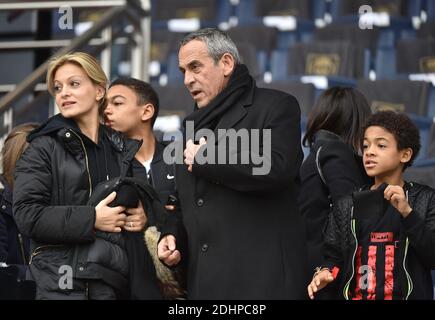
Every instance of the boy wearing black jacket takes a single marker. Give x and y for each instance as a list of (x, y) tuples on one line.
[(379, 241)]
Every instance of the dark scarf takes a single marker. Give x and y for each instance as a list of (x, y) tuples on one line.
[(208, 117)]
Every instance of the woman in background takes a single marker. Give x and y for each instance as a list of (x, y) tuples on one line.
[(14, 247), (333, 167)]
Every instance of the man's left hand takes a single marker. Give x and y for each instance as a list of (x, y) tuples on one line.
[(396, 196), (136, 219)]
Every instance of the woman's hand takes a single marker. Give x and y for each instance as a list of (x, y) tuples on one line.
[(107, 218), (136, 219)]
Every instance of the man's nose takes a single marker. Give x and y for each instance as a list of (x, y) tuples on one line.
[(188, 79)]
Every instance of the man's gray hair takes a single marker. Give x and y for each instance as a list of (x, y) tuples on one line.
[(218, 43)]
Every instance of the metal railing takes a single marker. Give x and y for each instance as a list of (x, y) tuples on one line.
[(137, 13)]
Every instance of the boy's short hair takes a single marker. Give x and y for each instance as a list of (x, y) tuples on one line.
[(401, 127), (144, 93)]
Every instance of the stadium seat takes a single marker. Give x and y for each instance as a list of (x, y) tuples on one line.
[(427, 30), (163, 42), (385, 64), (398, 95), (429, 7), (395, 8), (252, 11), (255, 61), (423, 175), (328, 58), (304, 92), (174, 100), (416, 56), (261, 37), (424, 126), (207, 12)]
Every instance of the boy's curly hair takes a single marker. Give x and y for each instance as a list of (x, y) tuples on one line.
[(401, 127)]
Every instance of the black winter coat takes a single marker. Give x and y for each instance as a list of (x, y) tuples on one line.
[(343, 173), (162, 179), (245, 235), (418, 227), (14, 247), (52, 187)]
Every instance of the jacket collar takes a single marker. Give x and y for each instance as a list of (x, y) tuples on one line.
[(238, 112), (158, 152), (327, 135), (408, 186)]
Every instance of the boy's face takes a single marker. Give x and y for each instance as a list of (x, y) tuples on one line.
[(122, 112), (380, 153)]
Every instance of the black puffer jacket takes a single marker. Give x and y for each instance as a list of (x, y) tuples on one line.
[(52, 186), (418, 227)]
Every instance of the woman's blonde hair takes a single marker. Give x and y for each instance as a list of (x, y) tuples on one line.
[(85, 61), (13, 147)]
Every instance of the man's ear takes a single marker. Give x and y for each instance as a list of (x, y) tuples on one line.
[(148, 112), (228, 63), (406, 155)]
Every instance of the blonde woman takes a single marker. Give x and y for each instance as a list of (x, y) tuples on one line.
[(67, 157)]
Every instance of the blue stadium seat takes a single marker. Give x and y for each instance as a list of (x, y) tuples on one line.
[(209, 12), (340, 9), (303, 92), (252, 11), (431, 103), (278, 64), (174, 100), (429, 7), (424, 125), (400, 95), (385, 64), (328, 58), (175, 77)]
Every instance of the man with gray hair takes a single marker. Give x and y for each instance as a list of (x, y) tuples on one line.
[(245, 235)]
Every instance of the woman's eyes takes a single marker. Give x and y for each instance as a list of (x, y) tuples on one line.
[(58, 87)]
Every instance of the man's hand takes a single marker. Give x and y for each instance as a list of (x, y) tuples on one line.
[(107, 218), (167, 250), (396, 196), (319, 281), (136, 219), (170, 208), (191, 150)]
